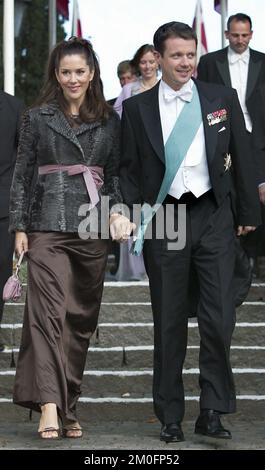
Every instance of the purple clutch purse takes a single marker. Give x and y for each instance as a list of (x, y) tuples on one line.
[(13, 286)]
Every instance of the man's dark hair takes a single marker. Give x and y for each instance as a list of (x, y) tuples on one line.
[(174, 29), (239, 17)]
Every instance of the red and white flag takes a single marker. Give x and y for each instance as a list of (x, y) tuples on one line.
[(62, 8), (198, 27), (76, 22)]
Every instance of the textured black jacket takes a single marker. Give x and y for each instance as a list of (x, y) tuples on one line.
[(52, 202)]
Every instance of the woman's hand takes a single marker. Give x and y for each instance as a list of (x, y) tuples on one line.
[(244, 230), (120, 227), (21, 243)]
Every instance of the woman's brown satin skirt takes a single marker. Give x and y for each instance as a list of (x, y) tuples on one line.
[(65, 283)]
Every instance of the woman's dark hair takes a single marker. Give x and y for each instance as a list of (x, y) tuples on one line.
[(94, 106), (139, 54), (174, 29)]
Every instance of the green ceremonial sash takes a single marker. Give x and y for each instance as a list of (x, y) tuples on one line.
[(176, 148)]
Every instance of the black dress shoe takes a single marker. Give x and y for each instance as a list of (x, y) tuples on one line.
[(171, 433), (209, 424), (2, 347)]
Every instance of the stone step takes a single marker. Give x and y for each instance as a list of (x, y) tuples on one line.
[(102, 394), (141, 357), (122, 334), (123, 312), (251, 311), (139, 290), (138, 312), (261, 272), (122, 291), (138, 384), (111, 409), (256, 291)]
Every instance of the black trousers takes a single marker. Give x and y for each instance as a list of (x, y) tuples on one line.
[(210, 246), (6, 257)]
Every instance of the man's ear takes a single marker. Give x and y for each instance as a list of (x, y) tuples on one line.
[(158, 57)]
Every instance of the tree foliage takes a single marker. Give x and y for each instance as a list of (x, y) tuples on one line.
[(32, 50)]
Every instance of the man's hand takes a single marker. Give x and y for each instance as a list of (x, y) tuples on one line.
[(243, 230), (120, 227), (21, 243), (262, 193)]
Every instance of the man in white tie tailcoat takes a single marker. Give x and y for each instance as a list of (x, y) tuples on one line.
[(240, 67), (215, 161)]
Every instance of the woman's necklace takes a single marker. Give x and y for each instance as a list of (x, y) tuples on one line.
[(147, 86)]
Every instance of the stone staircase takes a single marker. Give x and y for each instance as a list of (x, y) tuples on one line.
[(118, 376)]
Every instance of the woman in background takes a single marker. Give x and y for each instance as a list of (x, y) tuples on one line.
[(131, 268)]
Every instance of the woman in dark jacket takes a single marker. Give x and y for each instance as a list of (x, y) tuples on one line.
[(66, 169)]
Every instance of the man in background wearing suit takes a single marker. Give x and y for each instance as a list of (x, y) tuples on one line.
[(242, 68), (259, 140), (10, 113), (126, 74), (180, 142)]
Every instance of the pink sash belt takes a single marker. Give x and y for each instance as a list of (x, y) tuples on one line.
[(93, 177)]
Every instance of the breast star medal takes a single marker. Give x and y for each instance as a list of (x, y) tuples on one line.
[(227, 161)]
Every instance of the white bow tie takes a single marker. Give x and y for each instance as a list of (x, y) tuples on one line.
[(185, 95), (238, 57)]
